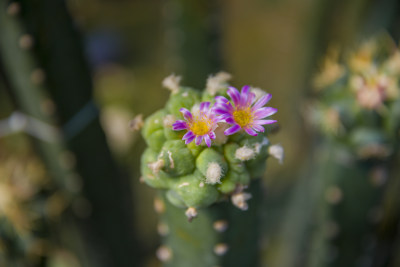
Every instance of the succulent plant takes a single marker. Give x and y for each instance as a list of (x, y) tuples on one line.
[(202, 151), (356, 108)]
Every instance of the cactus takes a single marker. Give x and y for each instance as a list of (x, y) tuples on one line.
[(49, 78), (356, 108), (199, 174)]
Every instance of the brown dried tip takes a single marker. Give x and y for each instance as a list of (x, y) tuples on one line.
[(137, 123)]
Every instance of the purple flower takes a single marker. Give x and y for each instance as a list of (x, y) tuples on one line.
[(243, 114), (200, 126)]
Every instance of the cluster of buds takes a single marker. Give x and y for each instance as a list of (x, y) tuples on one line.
[(360, 104), (203, 147)]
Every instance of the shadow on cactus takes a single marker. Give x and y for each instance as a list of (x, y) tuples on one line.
[(204, 149)]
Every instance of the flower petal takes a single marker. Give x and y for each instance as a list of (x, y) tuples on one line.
[(262, 122), (234, 94), (258, 128), (186, 114), (207, 140), (250, 131), (262, 101), (189, 140), (204, 106), (212, 135), (179, 125), (264, 112), (250, 99), (232, 129), (221, 99), (244, 95), (199, 139), (188, 135)]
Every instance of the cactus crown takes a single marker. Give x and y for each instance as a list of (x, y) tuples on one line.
[(357, 100), (227, 150)]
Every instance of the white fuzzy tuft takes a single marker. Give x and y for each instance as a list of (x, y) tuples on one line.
[(258, 92), (220, 226), (220, 249), (169, 120), (214, 173), (240, 200), (164, 253), (137, 123), (216, 83), (277, 152), (172, 83), (244, 153), (191, 213), (155, 167)]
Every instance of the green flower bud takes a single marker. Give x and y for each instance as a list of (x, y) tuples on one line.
[(153, 130), (151, 170), (208, 160)]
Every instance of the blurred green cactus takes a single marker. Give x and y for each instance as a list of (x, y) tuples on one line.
[(356, 108), (200, 179)]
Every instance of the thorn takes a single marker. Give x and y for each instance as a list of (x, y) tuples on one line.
[(172, 82), (277, 152), (38, 76), (220, 249), (240, 200), (164, 253), (333, 195), (191, 213), (137, 123), (183, 184), (159, 205), (220, 226), (155, 167), (13, 9), (162, 229), (26, 41)]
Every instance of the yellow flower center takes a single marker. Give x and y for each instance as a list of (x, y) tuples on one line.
[(243, 117), (200, 127)]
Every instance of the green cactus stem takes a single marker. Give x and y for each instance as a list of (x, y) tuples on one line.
[(199, 225)]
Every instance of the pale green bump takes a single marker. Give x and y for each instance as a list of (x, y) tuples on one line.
[(226, 186), (194, 192), (175, 199), (173, 135), (208, 156), (177, 157), (259, 144), (184, 98), (153, 130), (194, 149), (157, 180), (156, 140)]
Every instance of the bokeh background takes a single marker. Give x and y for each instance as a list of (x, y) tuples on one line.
[(121, 51)]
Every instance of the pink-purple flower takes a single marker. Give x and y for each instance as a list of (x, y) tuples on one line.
[(200, 126), (244, 113)]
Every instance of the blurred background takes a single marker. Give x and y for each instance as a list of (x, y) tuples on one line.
[(75, 73)]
